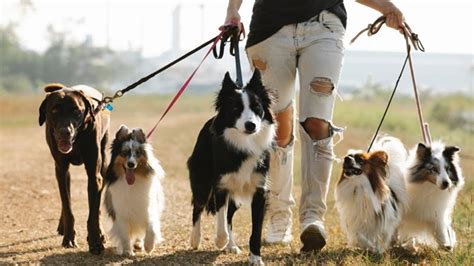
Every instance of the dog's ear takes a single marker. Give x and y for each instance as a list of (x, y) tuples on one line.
[(53, 87), (42, 111), (90, 106), (379, 158), (138, 135), (449, 152), (122, 133), (256, 86), (228, 83), (228, 87), (422, 151), (256, 79)]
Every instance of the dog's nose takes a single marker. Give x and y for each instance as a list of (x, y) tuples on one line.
[(348, 161), (249, 126), (444, 185), (130, 164)]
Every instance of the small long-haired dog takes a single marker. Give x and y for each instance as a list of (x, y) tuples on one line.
[(434, 179), (230, 162), (134, 197), (371, 195)]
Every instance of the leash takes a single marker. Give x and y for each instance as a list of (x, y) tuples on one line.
[(226, 32), (232, 32), (106, 101), (410, 37), (185, 85)]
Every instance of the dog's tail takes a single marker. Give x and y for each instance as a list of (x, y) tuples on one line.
[(211, 203), (394, 148)]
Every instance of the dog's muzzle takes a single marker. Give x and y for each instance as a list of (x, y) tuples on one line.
[(350, 167)]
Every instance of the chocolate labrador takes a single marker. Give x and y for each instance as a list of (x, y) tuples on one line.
[(77, 133)]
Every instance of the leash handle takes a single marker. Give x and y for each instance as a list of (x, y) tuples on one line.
[(410, 37), (232, 31), (185, 85)]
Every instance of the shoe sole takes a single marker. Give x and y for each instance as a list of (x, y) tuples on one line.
[(313, 239)]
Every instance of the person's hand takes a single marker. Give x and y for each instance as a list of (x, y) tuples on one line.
[(233, 18), (394, 17)]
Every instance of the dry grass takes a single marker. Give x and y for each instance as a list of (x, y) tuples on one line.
[(30, 203)]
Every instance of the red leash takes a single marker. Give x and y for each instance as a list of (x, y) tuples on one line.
[(185, 85)]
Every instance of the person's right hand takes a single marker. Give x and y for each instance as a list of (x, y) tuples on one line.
[(233, 18)]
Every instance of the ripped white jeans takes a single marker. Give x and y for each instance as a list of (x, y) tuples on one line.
[(315, 49)]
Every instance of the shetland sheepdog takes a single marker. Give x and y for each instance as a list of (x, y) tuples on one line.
[(434, 179), (371, 195), (230, 162), (134, 197)]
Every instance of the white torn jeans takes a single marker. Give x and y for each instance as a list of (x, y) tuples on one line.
[(315, 49)]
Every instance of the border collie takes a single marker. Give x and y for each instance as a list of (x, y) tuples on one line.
[(134, 197), (434, 179), (230, 161), (371, 195)]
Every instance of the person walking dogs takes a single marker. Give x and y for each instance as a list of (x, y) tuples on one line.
[(287, 36)]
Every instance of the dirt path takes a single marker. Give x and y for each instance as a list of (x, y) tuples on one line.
[(30, 205)]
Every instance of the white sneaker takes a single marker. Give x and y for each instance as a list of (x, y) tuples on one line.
[(279, 228), (313, 237)]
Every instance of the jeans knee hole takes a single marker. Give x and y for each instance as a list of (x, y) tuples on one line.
[(322, 86)]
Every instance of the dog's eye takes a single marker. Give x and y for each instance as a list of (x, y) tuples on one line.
[(77, 112), (124, 153), (433, 169), (55, 110), (359, 160)]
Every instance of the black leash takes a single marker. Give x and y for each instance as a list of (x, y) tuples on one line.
[(108, 99), (388, 105), (410, 37), (232, 32)]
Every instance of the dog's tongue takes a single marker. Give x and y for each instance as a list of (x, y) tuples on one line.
[(130, 176)]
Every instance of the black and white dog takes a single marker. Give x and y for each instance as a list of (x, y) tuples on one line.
[(230, 162)]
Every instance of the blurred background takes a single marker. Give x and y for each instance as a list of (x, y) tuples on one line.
[(111, 43)]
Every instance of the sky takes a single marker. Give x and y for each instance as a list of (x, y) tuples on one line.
[(444, 26)]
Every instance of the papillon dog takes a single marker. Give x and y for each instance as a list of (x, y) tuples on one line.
[(371, 195), (134, 197)]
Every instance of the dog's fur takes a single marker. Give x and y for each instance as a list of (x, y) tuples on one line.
[(434, 179), (230, 161), (371, 195), (76, 134), (134, 196)]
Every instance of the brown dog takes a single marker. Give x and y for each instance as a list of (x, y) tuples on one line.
[(76, 134)]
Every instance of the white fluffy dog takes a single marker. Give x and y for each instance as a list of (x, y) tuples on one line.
[(434, 179)]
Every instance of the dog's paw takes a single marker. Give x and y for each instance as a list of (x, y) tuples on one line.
[(234, 249), (69, 243), (149, 246), (96, 244), (138, 246), (129, 253), (255, 260), (221, 240), (195, 238)]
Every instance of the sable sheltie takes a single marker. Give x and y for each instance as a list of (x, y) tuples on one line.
[(371, 195), (134, 197), (433, 179), (230, 161)]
